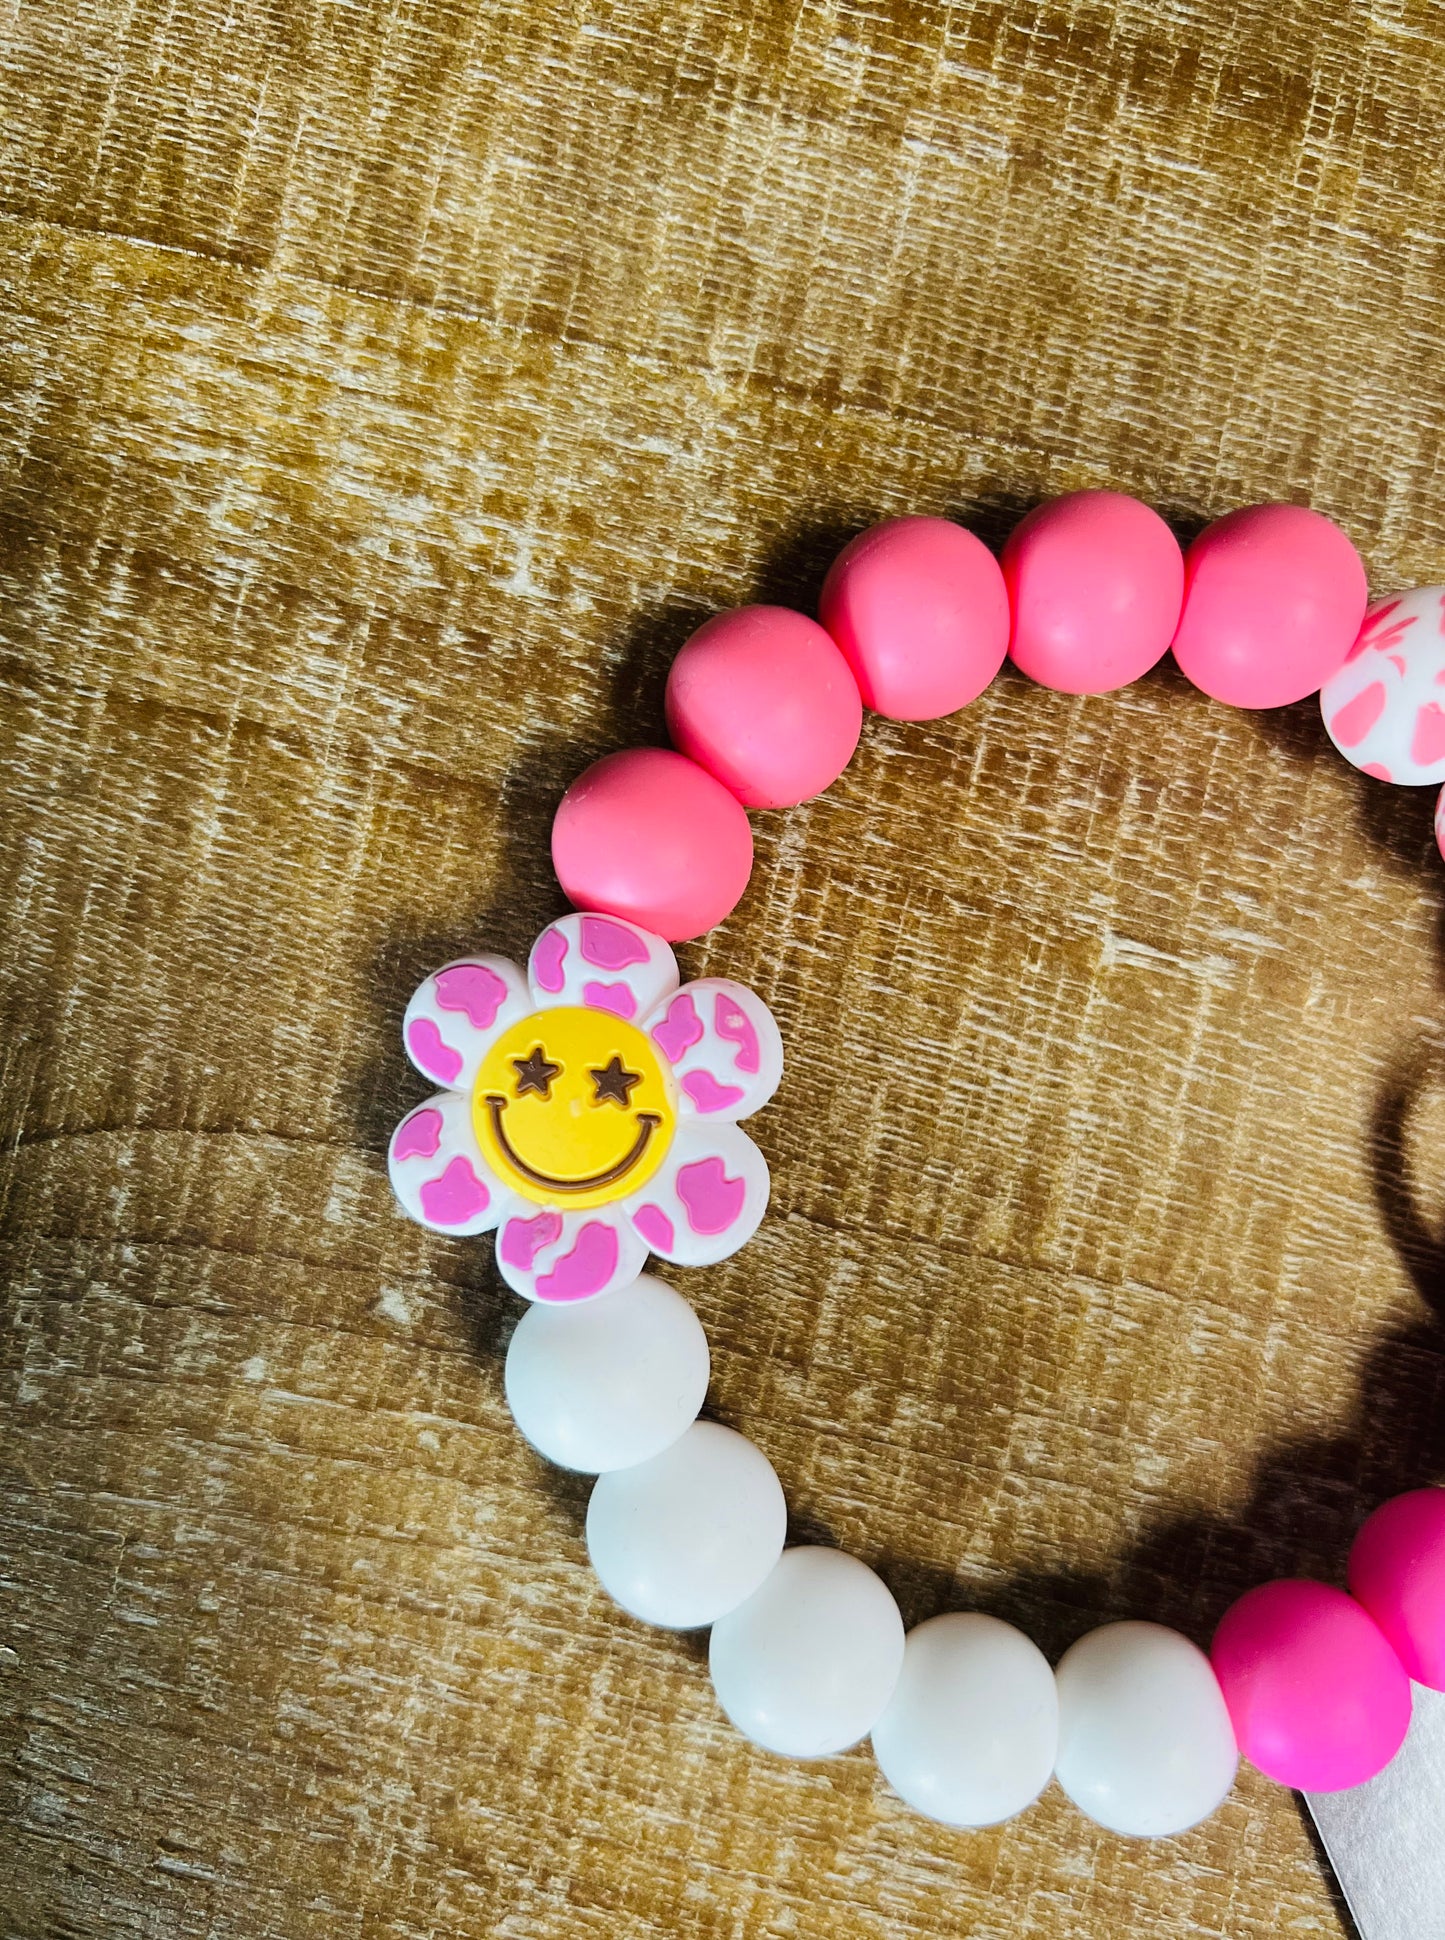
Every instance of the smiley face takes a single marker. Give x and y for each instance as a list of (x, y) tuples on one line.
[(573, 1107)]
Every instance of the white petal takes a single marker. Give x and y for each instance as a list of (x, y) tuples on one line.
[(724, 1046), (602, 962), (438, 1173), (556, 1257), (458, 1013), (706, 1199)]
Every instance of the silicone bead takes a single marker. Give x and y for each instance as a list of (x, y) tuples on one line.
[(1385, 708), (649, 836), (970, 1733), (1145, 1743), (685, 1537), (763, 700), (610, 1382), (1318, 1698), (807, 1665), (1273, 599), (920, 610), (1397, 1571), (1096, 583)]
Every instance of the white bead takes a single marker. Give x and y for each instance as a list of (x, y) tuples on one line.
[(685, 1537), (807, 1664), (971, 1732), (1385, 708), (1145, 1743), (610, 1382)]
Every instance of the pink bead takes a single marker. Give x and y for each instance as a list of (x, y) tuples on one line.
[(1273, 599), (921, 613), (763, 700), (1397, 1571), (1317, 1697), (648, 836), (1096, 582)]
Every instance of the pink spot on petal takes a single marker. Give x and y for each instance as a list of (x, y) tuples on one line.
[(1357, 717), (1429, 742), (680, 1029), (710, 1198), (524, 1239), (1377, 769), (1374, 632), (586, 1269), (707, 1094), (473, 988), (431, 1051), (456, 1197), (548, 958), (655, 1227), (734, 1024), (611, 946), (1397, 661), (615, 997), (419, 1136)]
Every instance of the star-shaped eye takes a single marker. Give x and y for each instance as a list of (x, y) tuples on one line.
[(614, 1081), (535, 1073)]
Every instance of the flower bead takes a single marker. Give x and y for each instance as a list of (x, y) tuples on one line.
[(1385, 708), (590, 1111)]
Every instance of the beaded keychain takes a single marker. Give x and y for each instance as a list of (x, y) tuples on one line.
[(590, 1116)]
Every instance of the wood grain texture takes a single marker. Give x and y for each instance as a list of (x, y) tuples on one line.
[(387, 391)]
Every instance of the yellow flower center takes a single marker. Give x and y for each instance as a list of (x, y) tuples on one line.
[(574, 1108)]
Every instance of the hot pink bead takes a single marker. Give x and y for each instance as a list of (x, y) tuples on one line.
[(1096, 582), (649, 836), (1317, 1697), (1273, 599), (920, 610), (763, 700), (1397, 1571)]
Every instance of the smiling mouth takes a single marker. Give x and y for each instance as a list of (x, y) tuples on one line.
[(647, 1124)]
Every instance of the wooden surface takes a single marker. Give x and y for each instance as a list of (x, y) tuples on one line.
[(388, 388)]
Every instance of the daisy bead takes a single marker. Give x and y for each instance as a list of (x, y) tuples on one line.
[(1318, 1698), (685, 1537), (1096, 583), (1273, 599), (806, 1666), (763, 700), (971, 1731), (1385, 708), (589, 1111), (611, 1382), (1145, 1742), (649, 836), (920, 610)]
